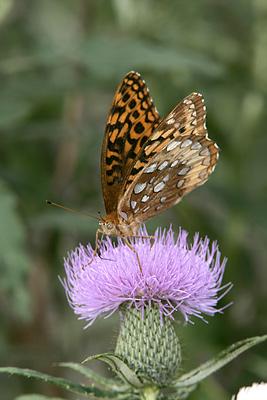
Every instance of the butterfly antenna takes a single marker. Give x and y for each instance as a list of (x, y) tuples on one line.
[(101, 218), (69, 209)]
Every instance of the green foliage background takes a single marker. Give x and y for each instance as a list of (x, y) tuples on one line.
[(60, 64)]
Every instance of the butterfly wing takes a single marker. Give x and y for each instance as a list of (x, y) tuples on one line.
[(175, 159), (131, 120)]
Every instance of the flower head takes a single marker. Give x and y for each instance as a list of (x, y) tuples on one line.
[(175, 275), (257, 391)]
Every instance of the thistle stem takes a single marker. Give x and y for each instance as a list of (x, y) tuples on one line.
[(149, 393)]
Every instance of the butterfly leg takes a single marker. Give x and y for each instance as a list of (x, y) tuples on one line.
[(131, 247), (147, 237), (96, 246), (153, 241)]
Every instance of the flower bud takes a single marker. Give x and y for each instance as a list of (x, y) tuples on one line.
[(148, 344)]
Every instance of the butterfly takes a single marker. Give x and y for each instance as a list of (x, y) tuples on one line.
[(149, 164)]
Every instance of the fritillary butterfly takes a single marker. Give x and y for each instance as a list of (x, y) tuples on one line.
[(148, 165)]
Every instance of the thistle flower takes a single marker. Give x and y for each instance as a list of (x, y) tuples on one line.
[(258, 391), (175, 276)]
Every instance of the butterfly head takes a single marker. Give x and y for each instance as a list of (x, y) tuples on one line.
[(115, 226)]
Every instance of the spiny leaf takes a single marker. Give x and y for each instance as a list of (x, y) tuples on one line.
[(223, 358)]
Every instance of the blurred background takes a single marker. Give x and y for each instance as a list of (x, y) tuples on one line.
[(61, 62)]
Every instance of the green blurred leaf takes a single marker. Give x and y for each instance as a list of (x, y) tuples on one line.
[(14, 261), (203, 371), (5, 7), (107, 383), (36, 397), (63, 383), (119, 367), (104, 55), (13, 112)]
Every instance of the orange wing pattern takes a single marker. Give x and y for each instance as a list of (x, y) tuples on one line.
[(131, 121)]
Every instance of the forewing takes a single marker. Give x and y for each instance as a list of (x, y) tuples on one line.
[(177, 158), (131, 121)]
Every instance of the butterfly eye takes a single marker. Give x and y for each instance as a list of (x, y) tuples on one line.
[(109, 226)]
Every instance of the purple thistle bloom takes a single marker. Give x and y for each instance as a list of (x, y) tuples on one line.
[(175, 275)]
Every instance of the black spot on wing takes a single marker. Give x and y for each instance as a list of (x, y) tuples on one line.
[(111, 159), (139, 128), (126, 97), (136, 114), (117, 145), (132, 104)]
